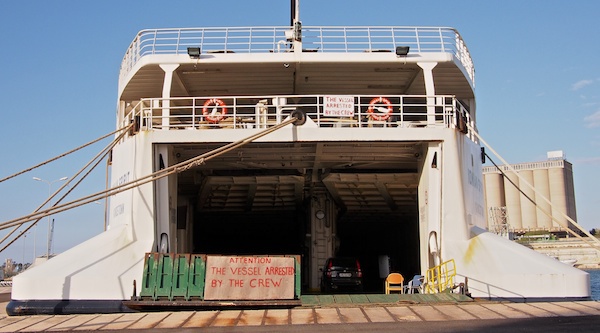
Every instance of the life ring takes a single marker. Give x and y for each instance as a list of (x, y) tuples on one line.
[(375, 112), (217, 112)]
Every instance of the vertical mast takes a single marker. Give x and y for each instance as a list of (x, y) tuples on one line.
[(293, 12), (296, 25)]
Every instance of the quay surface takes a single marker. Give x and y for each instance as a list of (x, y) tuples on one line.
[(412, 316)]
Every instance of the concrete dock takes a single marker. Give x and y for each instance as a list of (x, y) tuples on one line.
[(334, 317)]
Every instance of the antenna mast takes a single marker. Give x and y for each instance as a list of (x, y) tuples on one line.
[(293, 12), (296, 25)]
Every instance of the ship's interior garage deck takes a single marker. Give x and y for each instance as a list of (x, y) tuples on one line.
[(257, 200)]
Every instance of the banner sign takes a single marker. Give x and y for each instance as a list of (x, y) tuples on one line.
[(249, 278), (338, 106)]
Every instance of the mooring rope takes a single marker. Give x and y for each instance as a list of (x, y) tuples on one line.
[(176, 168), (98, 158), (61, 155)]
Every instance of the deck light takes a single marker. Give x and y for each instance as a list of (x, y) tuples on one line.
[(402, 50), (194, 52)]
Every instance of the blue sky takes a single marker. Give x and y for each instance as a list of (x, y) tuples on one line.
[(536, 62)]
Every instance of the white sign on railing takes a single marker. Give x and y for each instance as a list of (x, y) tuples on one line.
[(338, 106)]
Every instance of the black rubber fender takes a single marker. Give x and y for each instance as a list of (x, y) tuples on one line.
[(64, 307)]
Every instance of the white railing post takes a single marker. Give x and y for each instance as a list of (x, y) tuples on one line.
[(166, 93)]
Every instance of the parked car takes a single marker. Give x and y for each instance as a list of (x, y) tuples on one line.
[(342, 274)]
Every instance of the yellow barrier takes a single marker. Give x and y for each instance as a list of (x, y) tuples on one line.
[(441, 278)]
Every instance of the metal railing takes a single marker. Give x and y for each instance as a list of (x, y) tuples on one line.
[(314, 39), (527, 166), (441, 278), (247, 112)]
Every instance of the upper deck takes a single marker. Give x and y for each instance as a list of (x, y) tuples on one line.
[(303, 61), (252, 77)]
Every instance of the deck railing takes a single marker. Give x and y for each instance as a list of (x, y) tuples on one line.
[(314, 39), (256, 112), (527, 166)]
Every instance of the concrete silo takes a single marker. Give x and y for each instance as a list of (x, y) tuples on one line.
[(552, 179), (512, 197), (528, 215), (542, 185)]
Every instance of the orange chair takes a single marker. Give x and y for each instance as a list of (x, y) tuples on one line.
[(394, 282)]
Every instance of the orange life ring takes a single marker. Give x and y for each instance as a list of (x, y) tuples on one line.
[(215, 114), (374, 112)]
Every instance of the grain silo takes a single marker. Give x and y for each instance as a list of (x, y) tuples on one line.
[(542, 185), (528, 214), (512, 198), (552, 179)]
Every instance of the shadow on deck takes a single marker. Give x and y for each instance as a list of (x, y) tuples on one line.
[(354, 299)]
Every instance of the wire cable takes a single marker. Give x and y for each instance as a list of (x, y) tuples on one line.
[(61, 155)]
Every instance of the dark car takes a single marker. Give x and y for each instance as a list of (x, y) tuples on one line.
[(342, 274)]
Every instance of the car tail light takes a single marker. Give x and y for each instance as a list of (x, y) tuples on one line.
[(358, 270), (329, 265)]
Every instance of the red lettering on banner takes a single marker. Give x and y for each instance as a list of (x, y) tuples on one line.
[(250, 260), (249, 278), (279, 271), (218, 270), (245, 270), (236, 283), (265, 283)]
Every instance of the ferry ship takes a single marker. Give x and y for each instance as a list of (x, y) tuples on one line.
[(303, 141)]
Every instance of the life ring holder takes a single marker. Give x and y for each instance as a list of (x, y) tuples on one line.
[(210, 114), (375, 114)]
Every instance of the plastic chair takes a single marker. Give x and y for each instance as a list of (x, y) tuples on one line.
[(394, 282), (415, 284)]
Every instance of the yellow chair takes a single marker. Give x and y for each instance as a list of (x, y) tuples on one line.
[(394, 282)]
